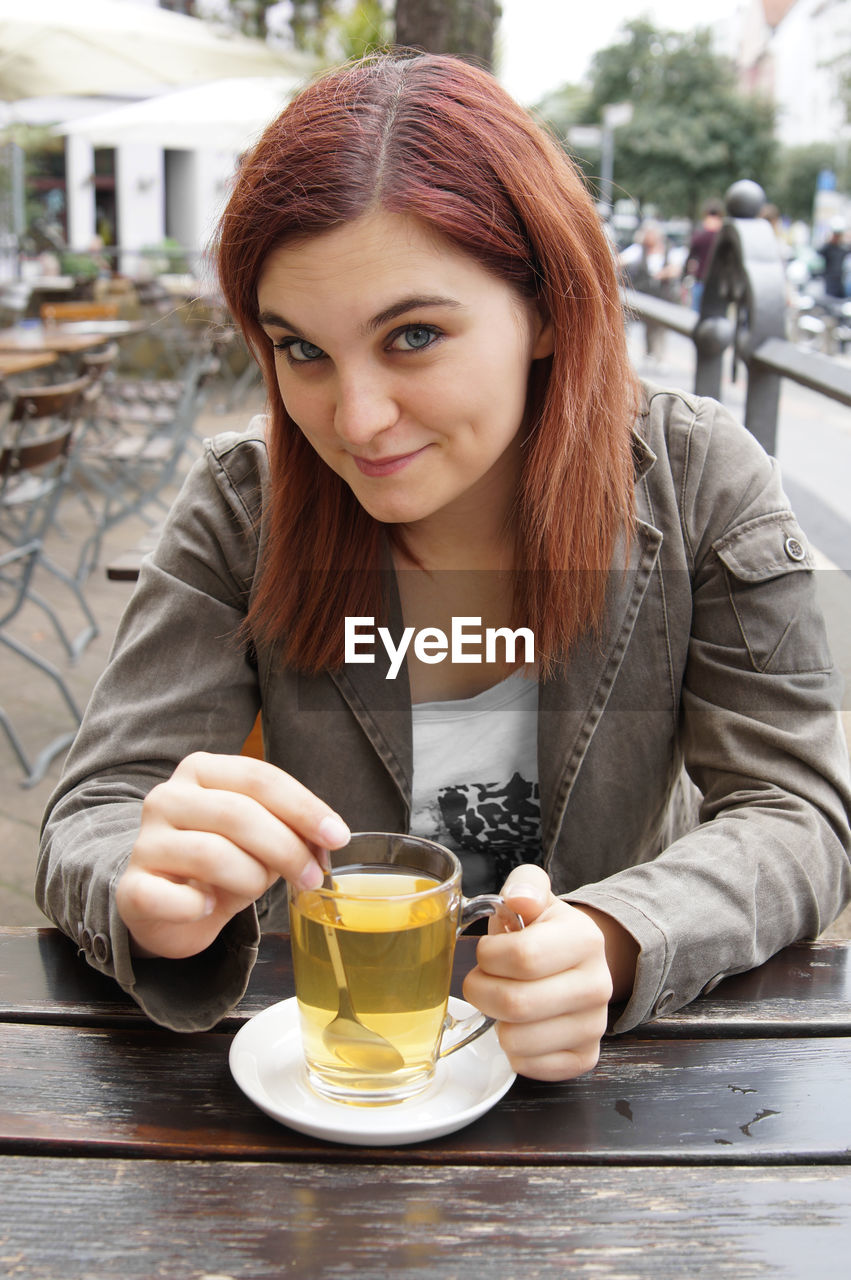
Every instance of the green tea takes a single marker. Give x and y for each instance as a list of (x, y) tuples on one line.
[(396, 952)]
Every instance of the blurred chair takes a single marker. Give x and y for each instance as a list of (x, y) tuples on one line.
[(39, 414), (98, 365), (135, 437), (68, 312), (238, 374), (33, 473)]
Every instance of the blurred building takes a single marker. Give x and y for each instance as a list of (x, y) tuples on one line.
[(137, 192), (794, 51)]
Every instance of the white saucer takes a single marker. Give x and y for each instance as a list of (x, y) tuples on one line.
[(266, 1062)]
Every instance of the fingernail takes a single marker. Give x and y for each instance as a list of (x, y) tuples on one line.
[(209, 904), (311, 877), (323, 857), (522, 890), (334, 832)]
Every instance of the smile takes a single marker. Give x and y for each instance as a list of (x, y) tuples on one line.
[(385, 466)]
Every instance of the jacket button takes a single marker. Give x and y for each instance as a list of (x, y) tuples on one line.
[(795, 549), (100, 948), (85, 939), (664, 1001)]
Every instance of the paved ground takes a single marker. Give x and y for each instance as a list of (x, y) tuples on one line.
[(814, 448)]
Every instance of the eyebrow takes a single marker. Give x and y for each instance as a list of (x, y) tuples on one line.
[(408, 304), (400, 308)]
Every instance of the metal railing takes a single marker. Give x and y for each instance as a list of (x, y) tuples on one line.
[(743, 317)]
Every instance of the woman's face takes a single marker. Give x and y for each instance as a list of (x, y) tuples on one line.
[(404, 363)]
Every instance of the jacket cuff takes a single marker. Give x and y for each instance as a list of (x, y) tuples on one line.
[(651, 996), (193, 994)]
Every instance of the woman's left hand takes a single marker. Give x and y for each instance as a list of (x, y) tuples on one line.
[(548, 985)]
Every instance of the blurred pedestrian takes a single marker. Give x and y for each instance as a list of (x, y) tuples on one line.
[(650, 266), (700, 248), (833, 253)]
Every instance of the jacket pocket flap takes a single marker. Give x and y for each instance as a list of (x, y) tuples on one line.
[(765, 548)]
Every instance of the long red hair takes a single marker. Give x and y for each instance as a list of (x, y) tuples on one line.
[(435, 138)]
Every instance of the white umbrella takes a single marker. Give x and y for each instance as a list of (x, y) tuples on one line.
[(52, 47), (227, 115)]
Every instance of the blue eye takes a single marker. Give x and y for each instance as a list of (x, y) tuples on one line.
[(414, 337), (299, 350)]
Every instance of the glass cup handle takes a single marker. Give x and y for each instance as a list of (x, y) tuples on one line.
[(472, 909)]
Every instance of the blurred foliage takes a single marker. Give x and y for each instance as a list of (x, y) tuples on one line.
[(794, 186), (365, 28), (79, 265), (692, 132), (338, 29), (309, 19), (166, 257), (43, 168)]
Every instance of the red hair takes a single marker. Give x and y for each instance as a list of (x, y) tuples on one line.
[(435, 138)]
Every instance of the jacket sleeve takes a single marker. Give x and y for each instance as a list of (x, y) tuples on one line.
[(178, 680), (761, 738)]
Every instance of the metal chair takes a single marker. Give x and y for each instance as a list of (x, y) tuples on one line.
[(33, 472), (135, 437), (37, 413)]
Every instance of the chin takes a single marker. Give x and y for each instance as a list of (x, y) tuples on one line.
[(396, 512), (400, 507)]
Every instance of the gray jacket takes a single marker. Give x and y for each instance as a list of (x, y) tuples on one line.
[(713, 655)]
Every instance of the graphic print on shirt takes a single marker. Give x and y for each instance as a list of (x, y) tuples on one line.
[(493, 827)]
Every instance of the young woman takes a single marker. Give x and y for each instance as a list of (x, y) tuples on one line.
[(455, 439)]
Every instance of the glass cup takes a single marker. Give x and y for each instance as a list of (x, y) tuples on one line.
[(372, 958)]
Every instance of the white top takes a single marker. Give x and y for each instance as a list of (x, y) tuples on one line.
[(476, 779)]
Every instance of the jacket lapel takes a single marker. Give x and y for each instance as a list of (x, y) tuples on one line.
[(570, 706), (383, 706)]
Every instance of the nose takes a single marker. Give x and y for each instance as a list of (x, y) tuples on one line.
[(365, 406)]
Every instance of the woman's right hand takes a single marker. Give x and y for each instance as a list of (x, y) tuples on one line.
[(213, 839)]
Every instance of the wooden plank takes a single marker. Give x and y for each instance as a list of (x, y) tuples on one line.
[(100, 1091), (130, 1220), (43, 979), (805, 988)]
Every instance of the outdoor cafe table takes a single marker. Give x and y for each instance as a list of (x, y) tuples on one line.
[(12, 364), (712, 1142), (65, 339)]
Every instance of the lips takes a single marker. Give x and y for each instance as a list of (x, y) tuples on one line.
[(385, 466)]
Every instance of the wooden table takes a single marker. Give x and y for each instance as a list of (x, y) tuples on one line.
[(12, 364), (714, 1143), (126, 565), (65, 339)]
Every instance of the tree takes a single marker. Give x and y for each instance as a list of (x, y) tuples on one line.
[(463, 27), (692, 133), (797, 171)]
